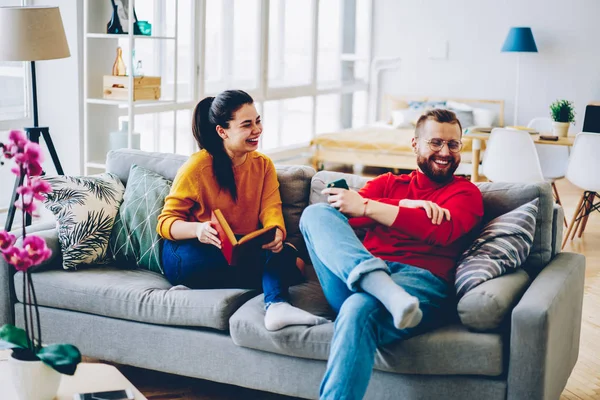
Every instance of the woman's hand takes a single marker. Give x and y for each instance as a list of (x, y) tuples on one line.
[(434, 212), (347, 201), (277, 244), (207, 234)]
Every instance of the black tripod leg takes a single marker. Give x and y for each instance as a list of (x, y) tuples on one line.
[(12, 208), (48, 140)]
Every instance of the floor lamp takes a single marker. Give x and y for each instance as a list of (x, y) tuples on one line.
[(519, 40), (32, 34)]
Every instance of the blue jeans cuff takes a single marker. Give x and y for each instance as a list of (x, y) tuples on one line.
[(370, 265)]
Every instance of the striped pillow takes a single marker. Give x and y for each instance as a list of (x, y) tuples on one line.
[(502, 245)]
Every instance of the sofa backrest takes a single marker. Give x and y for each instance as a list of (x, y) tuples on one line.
[(294, 181), (498, 198)]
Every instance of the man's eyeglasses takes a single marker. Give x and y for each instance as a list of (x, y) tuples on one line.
[(436, 144)]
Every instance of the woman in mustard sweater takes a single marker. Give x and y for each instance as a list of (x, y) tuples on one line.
[(229, 174)]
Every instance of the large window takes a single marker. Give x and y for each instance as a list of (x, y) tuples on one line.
[(304, 61)]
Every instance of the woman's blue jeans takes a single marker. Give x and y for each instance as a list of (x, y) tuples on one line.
[(203, 266), (362, 323)]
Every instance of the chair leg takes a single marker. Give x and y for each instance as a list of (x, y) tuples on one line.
[(575, 215), (588, 210), (557, 197)]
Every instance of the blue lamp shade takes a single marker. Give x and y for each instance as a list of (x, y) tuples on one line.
[(520, 39)]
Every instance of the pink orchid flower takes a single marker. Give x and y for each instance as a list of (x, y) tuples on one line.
[(30, 159), (39, 187), (23, 204), (36, 247), (6, 241), (18, 258)]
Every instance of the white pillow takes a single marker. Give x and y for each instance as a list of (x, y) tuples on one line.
[(484, 117), (454, 105), (85, 209), (405, 118)]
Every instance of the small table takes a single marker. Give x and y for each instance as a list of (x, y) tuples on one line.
[(88, 378), (480, 136)]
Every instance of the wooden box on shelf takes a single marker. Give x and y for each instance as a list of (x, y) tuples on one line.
[(144, 87)]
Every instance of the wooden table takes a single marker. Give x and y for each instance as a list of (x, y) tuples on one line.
[(88, 378), (479, 137)]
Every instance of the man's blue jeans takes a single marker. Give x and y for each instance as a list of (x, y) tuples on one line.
[(203, 266), (362, 323)]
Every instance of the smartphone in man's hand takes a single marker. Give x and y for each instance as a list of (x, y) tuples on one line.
[(340, 183)]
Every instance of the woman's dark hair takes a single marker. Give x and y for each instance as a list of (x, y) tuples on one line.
[(209, 113)]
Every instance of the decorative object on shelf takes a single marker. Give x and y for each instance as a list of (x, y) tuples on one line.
[(119, 22), (144, 87), (145, 28), (114, 25), (519, 40), (32, 34), (118, 139), (139, 69), (563, 114), (119, 68), (36, 368)]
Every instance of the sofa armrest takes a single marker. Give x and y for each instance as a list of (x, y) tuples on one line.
[(545, 329), (7, 290)]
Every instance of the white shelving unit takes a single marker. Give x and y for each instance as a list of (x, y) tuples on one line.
[(102, 116)]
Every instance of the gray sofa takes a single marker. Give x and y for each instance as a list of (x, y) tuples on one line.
[(130, 317)]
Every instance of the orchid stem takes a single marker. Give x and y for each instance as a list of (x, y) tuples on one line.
[(37, 313)]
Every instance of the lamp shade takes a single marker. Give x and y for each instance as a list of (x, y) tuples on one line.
[(520, 39), (32, 34)]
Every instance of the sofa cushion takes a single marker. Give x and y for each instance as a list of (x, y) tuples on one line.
[(500, 198), (449, 350), (136, 295), (502, 246), (486, 307), (85, 208), (134, 240)]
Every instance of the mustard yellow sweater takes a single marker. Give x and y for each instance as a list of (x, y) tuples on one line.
[(195, 193)]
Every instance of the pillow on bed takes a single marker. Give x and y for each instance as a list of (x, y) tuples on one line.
[(484, 117), (405, 118)]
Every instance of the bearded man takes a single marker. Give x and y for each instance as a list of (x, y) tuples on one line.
[(397, 282)]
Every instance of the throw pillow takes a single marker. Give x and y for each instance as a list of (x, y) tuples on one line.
[(134, 240), (405, 118), (502, 246), (465, 118), (484, 117), (85, 210)]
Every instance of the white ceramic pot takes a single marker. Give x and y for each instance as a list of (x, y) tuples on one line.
[(560, 129), (33, 380)]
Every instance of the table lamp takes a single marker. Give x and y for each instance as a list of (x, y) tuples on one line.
[(519, 40), (32, 34)]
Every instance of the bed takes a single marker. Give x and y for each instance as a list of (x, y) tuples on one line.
[(388, 145)]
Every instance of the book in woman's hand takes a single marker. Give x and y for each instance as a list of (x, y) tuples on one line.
[(249, 245)]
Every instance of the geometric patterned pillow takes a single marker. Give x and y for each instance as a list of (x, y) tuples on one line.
[(503, 245), (134, 240), (85, 209)]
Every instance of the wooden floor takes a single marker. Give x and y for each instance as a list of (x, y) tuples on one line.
[(584, 383)]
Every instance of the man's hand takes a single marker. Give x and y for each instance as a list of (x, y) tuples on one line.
[(347, 201), (207, 234), (435, 212), (277, 244)]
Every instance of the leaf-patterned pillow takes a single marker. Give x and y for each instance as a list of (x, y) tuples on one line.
[(85, 210)]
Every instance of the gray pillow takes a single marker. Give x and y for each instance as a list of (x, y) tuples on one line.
[(465, 117), (503, 245)]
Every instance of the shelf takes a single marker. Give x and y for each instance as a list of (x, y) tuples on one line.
[(125, 103), (125, 36)]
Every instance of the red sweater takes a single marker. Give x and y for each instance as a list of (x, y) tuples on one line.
[(413, 239)]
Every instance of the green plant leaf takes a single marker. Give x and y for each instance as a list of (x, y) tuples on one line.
[(15, 336), (62, 357)]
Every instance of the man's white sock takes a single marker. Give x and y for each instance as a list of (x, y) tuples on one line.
[(403, 307), (280, 315)]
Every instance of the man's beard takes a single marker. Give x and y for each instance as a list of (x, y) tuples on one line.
[(435, 174)]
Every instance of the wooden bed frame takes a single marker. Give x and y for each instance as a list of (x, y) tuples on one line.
[(344, 151)]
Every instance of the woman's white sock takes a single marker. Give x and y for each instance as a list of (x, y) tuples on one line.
[(280, 315)]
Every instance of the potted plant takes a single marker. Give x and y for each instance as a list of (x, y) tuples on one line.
[(563, 114), (36, 368)]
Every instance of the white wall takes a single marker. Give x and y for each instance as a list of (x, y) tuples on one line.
[(567, 65)]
